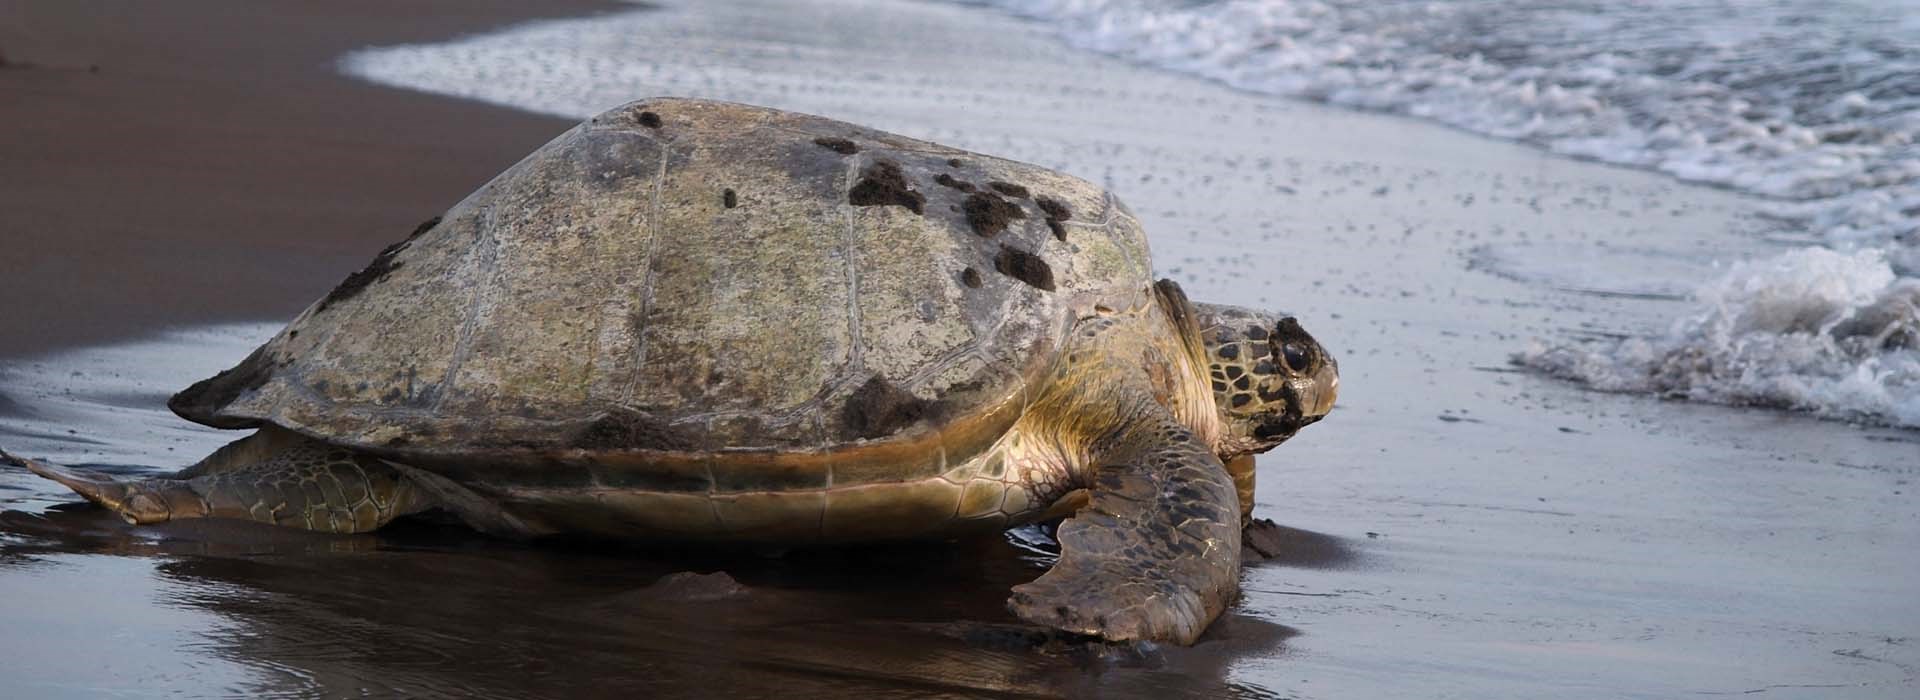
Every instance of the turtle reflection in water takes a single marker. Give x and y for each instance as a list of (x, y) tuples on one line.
[(699, 321)]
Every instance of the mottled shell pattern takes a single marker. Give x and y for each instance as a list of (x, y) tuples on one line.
[(728, 288)]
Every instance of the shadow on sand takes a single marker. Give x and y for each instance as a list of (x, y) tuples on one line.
[(426, 609)]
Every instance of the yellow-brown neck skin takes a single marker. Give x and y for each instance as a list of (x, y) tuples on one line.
[(1119, 365), (1242, 381)]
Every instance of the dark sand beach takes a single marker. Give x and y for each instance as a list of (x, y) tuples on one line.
[(174, 163), (1457, 528)]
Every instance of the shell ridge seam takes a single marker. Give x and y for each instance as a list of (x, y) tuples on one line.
[(486, 255), (850, 241), (647, 279)]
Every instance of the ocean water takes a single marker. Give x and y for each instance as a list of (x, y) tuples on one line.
[(1813, 104), (1460, 529)]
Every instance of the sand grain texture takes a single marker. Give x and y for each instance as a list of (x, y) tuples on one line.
[(1455, 529), (182, 162)]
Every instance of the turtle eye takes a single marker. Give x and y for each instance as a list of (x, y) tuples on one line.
[(1295, 357)]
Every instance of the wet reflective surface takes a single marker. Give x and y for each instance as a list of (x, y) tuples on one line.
[(425, 610), (1655, 550), (1458, 528)]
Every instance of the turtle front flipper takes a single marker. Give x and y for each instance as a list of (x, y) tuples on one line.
[(1155, 554), (308, 486)]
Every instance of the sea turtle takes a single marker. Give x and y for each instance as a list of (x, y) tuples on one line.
[(692, 320)]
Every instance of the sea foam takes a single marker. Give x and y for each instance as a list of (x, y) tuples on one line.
[(1810, 103), (1833, 333), (1813, 104)]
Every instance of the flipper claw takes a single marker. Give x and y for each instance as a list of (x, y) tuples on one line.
[(123, 497), (306, 485), (1154, 555)]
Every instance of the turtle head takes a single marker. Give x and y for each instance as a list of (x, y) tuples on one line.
[(1269, 377)]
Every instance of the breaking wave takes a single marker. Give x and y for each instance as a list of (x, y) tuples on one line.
[(1810, 103)]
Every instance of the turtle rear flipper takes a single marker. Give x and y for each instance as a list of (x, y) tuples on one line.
[(308, 486), (1155, 554)]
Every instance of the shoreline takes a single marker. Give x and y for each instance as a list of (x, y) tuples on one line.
[(179, 164), (1499, 532)]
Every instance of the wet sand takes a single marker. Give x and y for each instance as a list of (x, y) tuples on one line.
[(1456, 528), (172, 163)]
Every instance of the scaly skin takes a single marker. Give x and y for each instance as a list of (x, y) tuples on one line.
[(583, 346), (1141, 433), (308, 485), (1155, 552)]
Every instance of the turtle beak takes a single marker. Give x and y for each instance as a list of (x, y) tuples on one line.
[(1317, 401)]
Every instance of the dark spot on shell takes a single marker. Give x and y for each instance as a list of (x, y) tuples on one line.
[(988, 214), (878, 409), (1220, 387), (1228, 351), (883, 184), (1264, 367), (1054, 208), (632, 430), (1009, 189), (374, 271), (949, 181), (1234, 372), (1256, 333), (650, 120), (970, 277), (838, 145), (728, 199), (1024, 266), (199, 403), (1243, 383), (956, 163), (1056, 212)]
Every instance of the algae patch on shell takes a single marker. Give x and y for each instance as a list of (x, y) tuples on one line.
[(1024, 266), (878, 408), (837, 145), (989, 214), (1009, 189), (949, 181), (883, 184), (374, 271)]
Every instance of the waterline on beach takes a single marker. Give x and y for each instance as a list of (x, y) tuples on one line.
[(1813, 105)]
